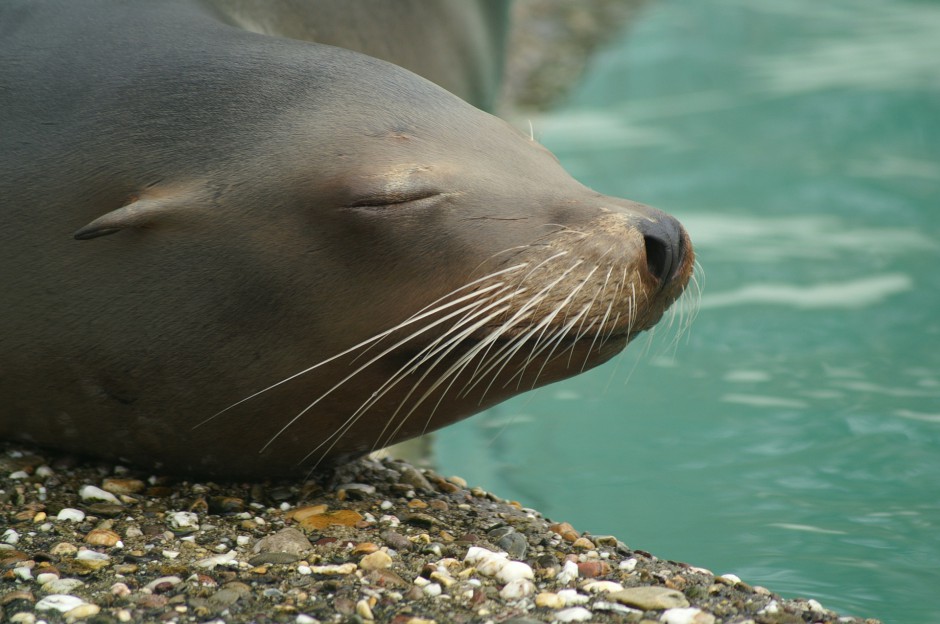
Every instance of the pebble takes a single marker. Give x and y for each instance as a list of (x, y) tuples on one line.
[(92, 560), (345, 568), (59, 602), (82, 612), (597, 587), (375, 561), (306, 619), (102, 537), (574, 614), (286, 540), (432, 589), (549, 600), (650, 598), (568, 573), (183, 520), (628, 565), (92, 492), (70, 515), (46, 577), (166, 581), (62, 586), (572, 597), (565, 530), (517, 589), (686, 616), (363, 609), (123, 486), (513, 571), (211, 562), (10, 537)]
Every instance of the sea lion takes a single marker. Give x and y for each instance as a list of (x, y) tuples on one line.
[(235, 254)]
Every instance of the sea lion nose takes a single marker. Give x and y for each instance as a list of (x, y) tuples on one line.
[(664, 239)]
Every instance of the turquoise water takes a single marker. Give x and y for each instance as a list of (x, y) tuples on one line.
[(792, 437)]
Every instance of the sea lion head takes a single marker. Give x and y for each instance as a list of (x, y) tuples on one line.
[(382, 259)]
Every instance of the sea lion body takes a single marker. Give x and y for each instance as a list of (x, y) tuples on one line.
[(285, 254)]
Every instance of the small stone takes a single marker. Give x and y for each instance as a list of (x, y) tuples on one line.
[(583, 543), (211, 562), (123, 486), (82, 612), (46, 577), (62, 586), (92, 560), (342, 517), (517, 589), (183, 520), (59, 602), (565, 530), (23, 618), (686, 616), (572, 597), (163, 584), (593, 569), (628, 565), (650, 598), (10, 536), (63, 549), (363, 609), (375, 561), (102, 537), (598, 587), (549, 600), (286, 541), (365, 548), (120, 590), (573, 614), (68, 514), (432, 589), (514, 571), (568, 573), (342, 569), (91, 492)]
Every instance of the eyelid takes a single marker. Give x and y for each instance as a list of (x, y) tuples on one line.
[(394, 197)]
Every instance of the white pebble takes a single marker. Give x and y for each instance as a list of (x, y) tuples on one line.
[(304, 569), (62, 586), (120, 590), (432, 589), (19, 474), (91, 555), (385, 505), (572, 597), (306, 619), (216, 560), (90, 492), (243, 540), (82, 612), (171, 580), (184, 520), (59, 602), (71, 515), (22, 618), (815, 606), (597, 587), (688, 615), (569, 572), (574, 614), (771, 608), (513, 571), (44, 471), (517, 589), (23, 573), (345, 568), (171, 554), (11, 537), (731, 578), (46, 577), (628, 565)]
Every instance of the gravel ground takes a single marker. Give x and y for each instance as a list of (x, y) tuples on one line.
[(379, 540)]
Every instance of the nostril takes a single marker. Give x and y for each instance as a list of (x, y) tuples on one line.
[(663, 240), (657, 258)]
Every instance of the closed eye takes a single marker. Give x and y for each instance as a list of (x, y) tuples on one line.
[(391, 198)]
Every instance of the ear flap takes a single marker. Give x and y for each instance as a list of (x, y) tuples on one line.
[(136, 214)]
